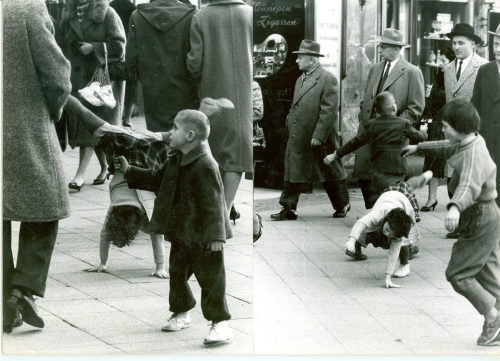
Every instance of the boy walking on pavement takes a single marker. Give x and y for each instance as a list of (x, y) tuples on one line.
[(190, 211), (474, 267)]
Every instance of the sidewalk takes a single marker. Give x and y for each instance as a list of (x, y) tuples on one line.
[(122, 311), (310, 298)]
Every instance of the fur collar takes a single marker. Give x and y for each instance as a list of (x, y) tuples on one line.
[(97, 10)]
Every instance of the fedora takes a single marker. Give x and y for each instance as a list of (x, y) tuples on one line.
[(496, 33), (308, 47), (466, 30), (392, 37)]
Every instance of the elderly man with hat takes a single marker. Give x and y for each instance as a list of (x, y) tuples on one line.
[(312, 134), (486, 99), (405, 82)]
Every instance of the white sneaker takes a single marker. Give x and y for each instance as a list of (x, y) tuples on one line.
[(402, 271), (219, 332), (177, 322)]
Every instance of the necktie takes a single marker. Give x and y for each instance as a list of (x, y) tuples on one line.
[(384, 77), (459, 69)]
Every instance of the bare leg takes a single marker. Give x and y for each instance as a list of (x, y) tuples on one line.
[(231, 182), (433, 185), (101, 156), (85, 155), (159, 255)]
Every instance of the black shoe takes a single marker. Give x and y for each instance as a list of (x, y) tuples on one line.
[(234, 214), (11, 319), (453, 235), (413, 251), (429, 208), (26, 305), (285, 214), (343, 212)]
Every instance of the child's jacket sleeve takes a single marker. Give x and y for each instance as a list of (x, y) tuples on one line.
[(146, 179)]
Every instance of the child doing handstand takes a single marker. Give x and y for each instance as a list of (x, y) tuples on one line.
[(474, 266), (190, 211)]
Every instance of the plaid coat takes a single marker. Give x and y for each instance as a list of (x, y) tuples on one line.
[(36, 85)]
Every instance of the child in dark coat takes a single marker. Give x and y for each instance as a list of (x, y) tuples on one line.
[(474, 267), (190, 211)]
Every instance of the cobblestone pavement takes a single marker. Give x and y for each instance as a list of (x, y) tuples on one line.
[(122, 312), (310, 298)]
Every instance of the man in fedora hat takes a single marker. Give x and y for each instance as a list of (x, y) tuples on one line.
[(460, 74), (405, 82), (312, 134), (486, 99)]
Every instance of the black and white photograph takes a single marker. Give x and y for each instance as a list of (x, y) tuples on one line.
[(250, 177)]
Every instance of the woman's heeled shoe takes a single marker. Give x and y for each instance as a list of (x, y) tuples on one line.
[(259, 233), (75, 186), (429, 208), (234, 214), (99, 181)]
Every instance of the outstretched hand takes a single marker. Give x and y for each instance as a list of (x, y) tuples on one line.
[(408, 150)]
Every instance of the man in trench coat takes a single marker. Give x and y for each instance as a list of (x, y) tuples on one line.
[(36, 85), (312, 134), (405, 82)]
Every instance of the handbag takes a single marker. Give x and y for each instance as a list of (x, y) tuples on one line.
[(98, 91)]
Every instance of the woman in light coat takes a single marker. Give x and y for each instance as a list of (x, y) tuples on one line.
[(84, 41), (36, 85)]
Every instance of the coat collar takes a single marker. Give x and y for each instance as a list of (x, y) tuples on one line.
[(395, 73), (195, 154), (311, 81), (470, 70)]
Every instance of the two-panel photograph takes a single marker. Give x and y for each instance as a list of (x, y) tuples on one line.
[(250, 178)]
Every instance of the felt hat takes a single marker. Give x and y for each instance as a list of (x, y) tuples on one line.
[(392, 37), (308, 47), (462, 29), (497, 32)]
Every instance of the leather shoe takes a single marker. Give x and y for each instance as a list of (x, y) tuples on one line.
[(11, 319), (26, 305), (284, 214), (452, 235), (343, 212)]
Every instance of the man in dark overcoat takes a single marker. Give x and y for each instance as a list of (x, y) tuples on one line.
[(312, 134), (405, 82), (486, 99), (157, 46)]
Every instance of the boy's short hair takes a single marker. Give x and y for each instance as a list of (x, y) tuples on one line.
[(195, 120), (383, 103), (462, 116), (399, 221), (123, 224)]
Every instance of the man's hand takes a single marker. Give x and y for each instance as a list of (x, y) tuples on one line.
[(329, 159), (121, 165), (85, 48), (452, 218), (216, 246), (160, 273), (315, 142), (389, 283), (408, 150), (100, 268)]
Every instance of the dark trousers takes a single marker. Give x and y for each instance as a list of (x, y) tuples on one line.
[(208, 268), (337, 193), (370, 195), (36, 243), (474, 267)]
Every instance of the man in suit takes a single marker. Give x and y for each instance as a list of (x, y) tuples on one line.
[(312, 134), (405, 82), (460, 74), (486, 99)]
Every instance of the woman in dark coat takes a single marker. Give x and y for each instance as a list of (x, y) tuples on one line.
[(88, 29), (434, 103)]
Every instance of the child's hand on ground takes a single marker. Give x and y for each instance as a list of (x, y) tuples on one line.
[(350, 245), (100, 268), (160, 273), (408, 150), (452, 218), (329, 159), (389, 283), (121, 165), (216, 246)]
